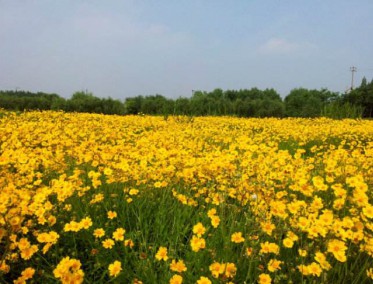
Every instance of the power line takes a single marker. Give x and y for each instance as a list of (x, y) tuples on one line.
[(365, 69)]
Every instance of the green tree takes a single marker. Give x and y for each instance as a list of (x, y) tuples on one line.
[(307, 103)]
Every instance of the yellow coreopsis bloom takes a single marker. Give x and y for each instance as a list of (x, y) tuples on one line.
[(99, 233), (314, 269), (129, 243), (321, 259), (86, 223), (237, 238), (176, 279), (338, 248), (370, 273), (215, 221), (211, 213), (112, 214), (118, 234), (199, 229), (368, 211), (178, 266), (269, 248), (28, 273), (264, 279), (115, 268), (161, 254), (267, 227), (108, 243), (302, 252), (274, 265), (204, 280), (197, 243), (216, 269), (68, 270), (133, 191), (230, 270), (288, 243)]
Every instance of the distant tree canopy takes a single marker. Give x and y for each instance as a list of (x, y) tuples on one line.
[(361, 97), (308, 103), (20, 100), (245, 103), (79, 102), (252, 102)]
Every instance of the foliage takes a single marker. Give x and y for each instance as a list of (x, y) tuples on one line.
[(22, 100), (339, 110), (79, 102), (241, 103), (307, 103), (361, 97)]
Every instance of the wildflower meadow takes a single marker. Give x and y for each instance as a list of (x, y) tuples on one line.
[(90, 198)]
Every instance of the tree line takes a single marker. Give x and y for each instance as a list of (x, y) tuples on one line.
[(252, 102)]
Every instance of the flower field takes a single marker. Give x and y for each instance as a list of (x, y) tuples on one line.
[(90, 198)]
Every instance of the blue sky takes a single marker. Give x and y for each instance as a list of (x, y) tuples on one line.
[(128, 48)]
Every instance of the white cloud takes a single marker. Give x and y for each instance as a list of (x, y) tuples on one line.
[(101, 26), (283, 46)]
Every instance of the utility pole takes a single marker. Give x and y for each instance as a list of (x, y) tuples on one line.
[(353, 69)]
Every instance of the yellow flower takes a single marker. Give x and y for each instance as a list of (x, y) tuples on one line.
[(129, 243), (215, 221), (314, 269), (86, 223), (368, 211), (161, 254), (176, 279), (4, 267), (274, 265), (24, 243), (108, 171), (237, 238), (303, 269), (112, 214), (99, 233), (288, 243), (264, 279), (321, 259), (68, 270), (204, 280), (28, 273), (197, 243), (269, 248), (230, 270), (133, 191), (199, 229), (267, 227), (302, 252), (118, 234), (73, 227), (178, 266), (216, 269), (108, 243), (249, 251), (292, 236), (27, 253), (370, 273), (211, 213), (115, 268), (338, 248)]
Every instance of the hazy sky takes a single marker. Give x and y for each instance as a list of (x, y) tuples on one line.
[(127, 48)]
